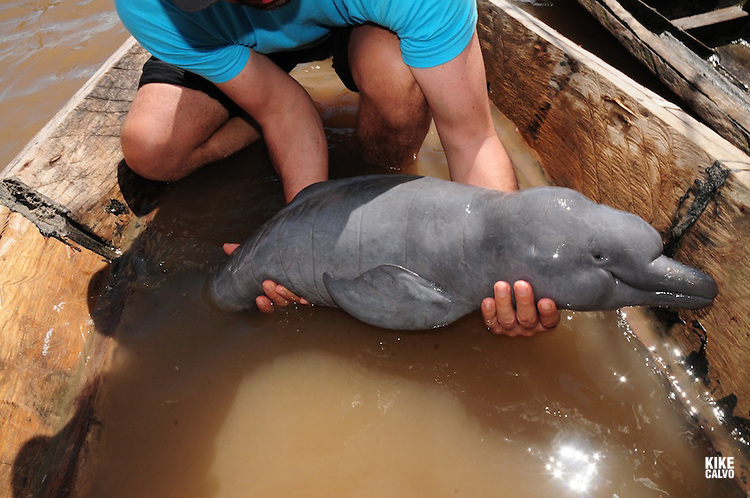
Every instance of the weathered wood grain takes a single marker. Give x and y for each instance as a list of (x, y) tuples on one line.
[(710, 93), (600, 133), (76, 159), (594, 129), (68, 205), (50, 350), (709, 18)]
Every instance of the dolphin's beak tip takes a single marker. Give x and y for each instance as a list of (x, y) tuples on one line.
[(704, 292), (708, 291), (715, 291), (711, 287)]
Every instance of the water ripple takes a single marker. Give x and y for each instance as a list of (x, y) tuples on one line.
[(48, 48)]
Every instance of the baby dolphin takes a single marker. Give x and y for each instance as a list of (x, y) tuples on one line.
[(407, 252)]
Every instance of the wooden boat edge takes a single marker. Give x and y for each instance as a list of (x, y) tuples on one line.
[(706, 90), (658, 162)]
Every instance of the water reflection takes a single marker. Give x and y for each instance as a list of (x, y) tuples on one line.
[(574, 467)]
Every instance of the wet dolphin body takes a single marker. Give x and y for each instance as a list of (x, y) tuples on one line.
[(406, 252)]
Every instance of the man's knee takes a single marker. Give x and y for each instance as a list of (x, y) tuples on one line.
[(391, 138), (408, 109), (393, 116), (398, 98), (147, 153)]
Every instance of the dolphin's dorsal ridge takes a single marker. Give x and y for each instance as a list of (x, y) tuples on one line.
[(395, 297)]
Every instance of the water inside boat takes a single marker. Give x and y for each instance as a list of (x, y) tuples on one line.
[(311, 402)]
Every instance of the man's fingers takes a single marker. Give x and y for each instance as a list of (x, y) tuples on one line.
[(229, 248), (526, 318), (549, 316), (489, 315), (526, 312), (280, 295), (272, 291), (506, 315), (276, 295), (289, 295), (264, 304)]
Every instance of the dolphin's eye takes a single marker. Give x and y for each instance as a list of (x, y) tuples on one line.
[(598, 256)]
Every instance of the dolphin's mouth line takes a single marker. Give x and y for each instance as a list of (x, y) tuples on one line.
[(637, 296), (666, 282), (660, 291)]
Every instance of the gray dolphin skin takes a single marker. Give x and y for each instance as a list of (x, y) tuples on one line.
[(408, 253)]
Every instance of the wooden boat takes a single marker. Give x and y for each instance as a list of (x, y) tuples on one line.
[(69, 208), (700, 50)]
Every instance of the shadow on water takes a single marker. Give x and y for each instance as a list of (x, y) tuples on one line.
[(184, 237), (519, 412)]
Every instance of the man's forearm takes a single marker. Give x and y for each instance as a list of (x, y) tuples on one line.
[(289, 122), (457, 95), (484, 163)]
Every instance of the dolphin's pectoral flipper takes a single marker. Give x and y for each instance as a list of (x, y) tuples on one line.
[(394, 297)]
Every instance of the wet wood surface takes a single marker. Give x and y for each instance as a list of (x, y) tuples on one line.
[(76, 159), (713, 94), (602, 134), (50, 351)]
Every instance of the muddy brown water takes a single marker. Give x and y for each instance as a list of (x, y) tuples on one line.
[(48, 49), (310, 402)]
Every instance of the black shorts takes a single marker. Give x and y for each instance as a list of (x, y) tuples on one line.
[(336, 45)]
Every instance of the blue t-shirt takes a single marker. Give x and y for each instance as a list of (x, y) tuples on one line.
[(215, 42)]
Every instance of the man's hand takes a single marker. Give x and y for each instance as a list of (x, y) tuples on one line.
[(526, 319), (276, 295)]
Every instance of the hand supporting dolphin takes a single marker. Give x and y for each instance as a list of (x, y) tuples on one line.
[(407, 252)]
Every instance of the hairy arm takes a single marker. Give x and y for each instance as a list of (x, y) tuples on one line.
[(289, 122), (457, 95), (293, 133)]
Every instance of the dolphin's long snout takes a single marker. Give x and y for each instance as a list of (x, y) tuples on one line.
[(672, 283)]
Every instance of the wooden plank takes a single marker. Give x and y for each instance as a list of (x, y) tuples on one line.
[(76, 160), (709, 18), (600, 133), (713, 95), (69, 184), (51, 357)]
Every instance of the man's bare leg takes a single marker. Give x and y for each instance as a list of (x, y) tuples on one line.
[(172, 131), (393, 117)]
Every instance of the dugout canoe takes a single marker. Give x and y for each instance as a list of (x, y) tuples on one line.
[(699, 49), (69, 208)]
